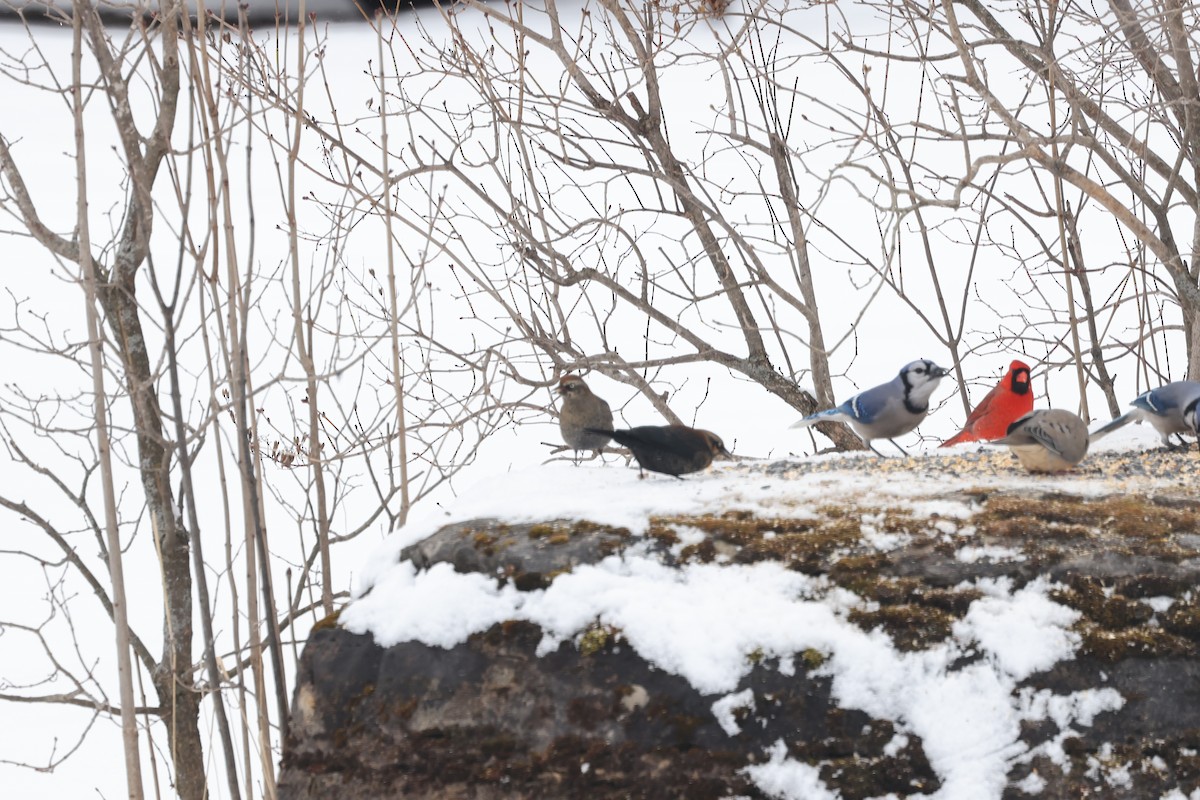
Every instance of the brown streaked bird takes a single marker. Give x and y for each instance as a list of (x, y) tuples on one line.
[(670, 449), (1048, 440), (581, 410)]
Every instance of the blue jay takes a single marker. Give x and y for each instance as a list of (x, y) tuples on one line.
[(1047, 440), (1191, 417), (889, 410), (1165, 408)]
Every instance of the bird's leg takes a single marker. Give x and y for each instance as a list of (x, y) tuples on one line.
[(898, 447), (877, 452)]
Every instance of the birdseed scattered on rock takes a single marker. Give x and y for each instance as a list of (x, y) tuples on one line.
[(1112, 471)]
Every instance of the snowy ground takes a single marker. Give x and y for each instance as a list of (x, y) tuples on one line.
[(701, 621)]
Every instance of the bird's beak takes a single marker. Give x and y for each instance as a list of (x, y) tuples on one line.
[(939, 372)]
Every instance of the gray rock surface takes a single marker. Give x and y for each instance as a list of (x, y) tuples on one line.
[(491, 719)]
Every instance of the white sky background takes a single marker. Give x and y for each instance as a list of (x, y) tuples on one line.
[(750, 420)]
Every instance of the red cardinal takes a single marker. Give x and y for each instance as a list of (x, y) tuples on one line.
[(1011, 399)]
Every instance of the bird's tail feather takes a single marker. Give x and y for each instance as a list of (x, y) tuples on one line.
[(831, 415), (1108, 428), (962, 436)]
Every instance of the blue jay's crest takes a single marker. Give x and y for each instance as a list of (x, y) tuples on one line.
[(922, 366)]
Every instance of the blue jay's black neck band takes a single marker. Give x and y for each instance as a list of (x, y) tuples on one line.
[(908, 403)]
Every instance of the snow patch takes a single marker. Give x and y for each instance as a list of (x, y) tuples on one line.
[(897, 743), (725, 710), (710, 623), (1064, 711), (1022, 633), (784, 778), (973, 555), (1031, 783), (438, 606), (1159, 604)]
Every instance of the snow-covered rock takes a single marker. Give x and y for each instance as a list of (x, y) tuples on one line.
[(844, 627)]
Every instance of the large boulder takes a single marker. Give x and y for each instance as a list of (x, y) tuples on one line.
[(510, 713)]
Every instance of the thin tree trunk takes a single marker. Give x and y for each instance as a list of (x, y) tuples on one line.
[(817, 356), (173, 677), (397, 377), (133, 769), (1103, 379), (303, 343), (1191, 327), (198, 565)]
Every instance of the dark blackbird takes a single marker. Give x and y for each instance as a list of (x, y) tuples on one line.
[(580, 411), (670, 449)]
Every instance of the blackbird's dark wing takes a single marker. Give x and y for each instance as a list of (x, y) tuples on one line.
[(675, 439)]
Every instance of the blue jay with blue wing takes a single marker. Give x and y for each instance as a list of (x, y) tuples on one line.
[(889, 410), (1170, 409)]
